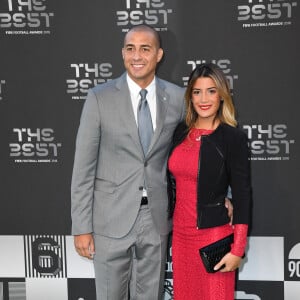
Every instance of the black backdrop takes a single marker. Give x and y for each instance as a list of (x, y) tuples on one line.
[(51, 52)]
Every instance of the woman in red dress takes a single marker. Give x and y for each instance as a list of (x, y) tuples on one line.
[(208, 155)]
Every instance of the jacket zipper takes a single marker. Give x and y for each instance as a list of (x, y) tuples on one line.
[(199, 216)]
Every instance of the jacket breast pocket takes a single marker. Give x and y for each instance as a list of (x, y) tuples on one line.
[(167, 132)]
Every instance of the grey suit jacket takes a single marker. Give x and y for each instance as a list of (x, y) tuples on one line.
[(110, 167)]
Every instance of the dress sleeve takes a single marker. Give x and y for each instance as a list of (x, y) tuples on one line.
[(240, 239)]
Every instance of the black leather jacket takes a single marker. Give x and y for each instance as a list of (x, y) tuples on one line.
[(224, 161)]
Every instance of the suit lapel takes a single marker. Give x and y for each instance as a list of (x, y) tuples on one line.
[(126, 110), (162, 100)]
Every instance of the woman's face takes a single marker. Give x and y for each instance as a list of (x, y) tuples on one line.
[(206, 100)]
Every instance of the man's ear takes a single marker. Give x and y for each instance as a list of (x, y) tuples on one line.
[(160, 54)]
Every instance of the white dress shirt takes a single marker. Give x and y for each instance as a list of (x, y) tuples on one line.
[(134, 90)]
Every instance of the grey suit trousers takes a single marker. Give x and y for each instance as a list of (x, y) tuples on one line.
[(131, 267)]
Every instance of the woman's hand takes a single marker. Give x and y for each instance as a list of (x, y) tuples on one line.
[(229, 207), (231, 262)]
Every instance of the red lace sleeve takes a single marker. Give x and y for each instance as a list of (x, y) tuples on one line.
[(240, 239)]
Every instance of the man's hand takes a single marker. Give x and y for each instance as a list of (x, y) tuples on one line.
[(229, 207), (84, 245)]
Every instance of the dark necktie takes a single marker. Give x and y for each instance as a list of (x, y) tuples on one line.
[(145, 126)]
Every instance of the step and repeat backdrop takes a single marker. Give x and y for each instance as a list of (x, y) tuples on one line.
[(53, 51)]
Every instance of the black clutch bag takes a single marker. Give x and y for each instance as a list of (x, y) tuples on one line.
[(213, 253)]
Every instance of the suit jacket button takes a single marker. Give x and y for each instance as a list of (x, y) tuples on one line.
[(145, 164)]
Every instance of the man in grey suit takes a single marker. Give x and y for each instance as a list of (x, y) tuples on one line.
[(119, 194)]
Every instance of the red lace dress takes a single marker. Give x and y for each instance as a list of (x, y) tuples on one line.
[(190, 279)]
